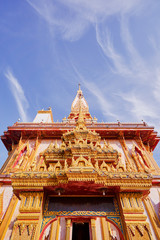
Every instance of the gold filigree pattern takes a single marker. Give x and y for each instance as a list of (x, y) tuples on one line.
[(81, 150), (31, 201), (139, 230), (24, 230)]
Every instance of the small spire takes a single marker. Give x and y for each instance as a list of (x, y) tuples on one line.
[(77, 102), (80, 121), (79, 92)]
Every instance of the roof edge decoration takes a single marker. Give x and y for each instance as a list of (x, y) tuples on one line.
[(43, 126)]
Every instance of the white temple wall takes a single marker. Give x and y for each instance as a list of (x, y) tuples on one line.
[(117, 146), (44, 144), (7, 195), (31, 145)]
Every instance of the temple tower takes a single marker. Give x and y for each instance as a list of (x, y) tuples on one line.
[(79, 179)]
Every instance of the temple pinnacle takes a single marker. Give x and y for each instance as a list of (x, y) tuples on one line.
[(80, 121), (77, 102)]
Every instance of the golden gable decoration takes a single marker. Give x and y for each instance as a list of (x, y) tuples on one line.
[(80, 149)]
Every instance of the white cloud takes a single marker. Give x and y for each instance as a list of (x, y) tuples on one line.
[(71, 26), (128, 63), (104, 103), (156, 90), (138, 65), (97, 10), (18, 94), (104, 41), (141, 109), (71, 18)]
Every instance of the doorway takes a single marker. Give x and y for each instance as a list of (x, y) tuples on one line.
[(80, 231)]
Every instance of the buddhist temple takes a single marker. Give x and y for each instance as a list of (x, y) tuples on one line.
[(79, 179)]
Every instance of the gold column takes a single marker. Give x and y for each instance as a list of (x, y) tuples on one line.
[(57, 230), (30, 212), (53, 230), (153, 216), (37, 233), (93, 227), (134, 217), (8, 215), (68, 228), (105, 230), (1, 205), (133, 202)]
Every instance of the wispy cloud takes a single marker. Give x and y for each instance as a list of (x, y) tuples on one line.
[(128, 63), (104, 40), (139, 107), (60, 21), (139, 67), (142, 96), (18, 94), (71, 18), (104, 103), (156, 90)]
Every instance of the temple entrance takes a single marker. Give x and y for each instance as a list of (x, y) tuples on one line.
[(80, 231), (81, 218), (98, 228)]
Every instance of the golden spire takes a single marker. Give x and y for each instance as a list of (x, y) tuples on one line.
[(80, 122), (79, 102), (79, 92)]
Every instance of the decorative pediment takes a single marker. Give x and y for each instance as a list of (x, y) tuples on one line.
[(82, 148), (100, 151)]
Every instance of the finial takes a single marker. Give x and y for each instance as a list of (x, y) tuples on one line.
[(80, 121), (79, 89)]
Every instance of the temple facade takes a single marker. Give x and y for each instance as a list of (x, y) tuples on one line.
[(79, 179)]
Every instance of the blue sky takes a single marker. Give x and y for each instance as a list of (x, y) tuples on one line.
[(49, 46)]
